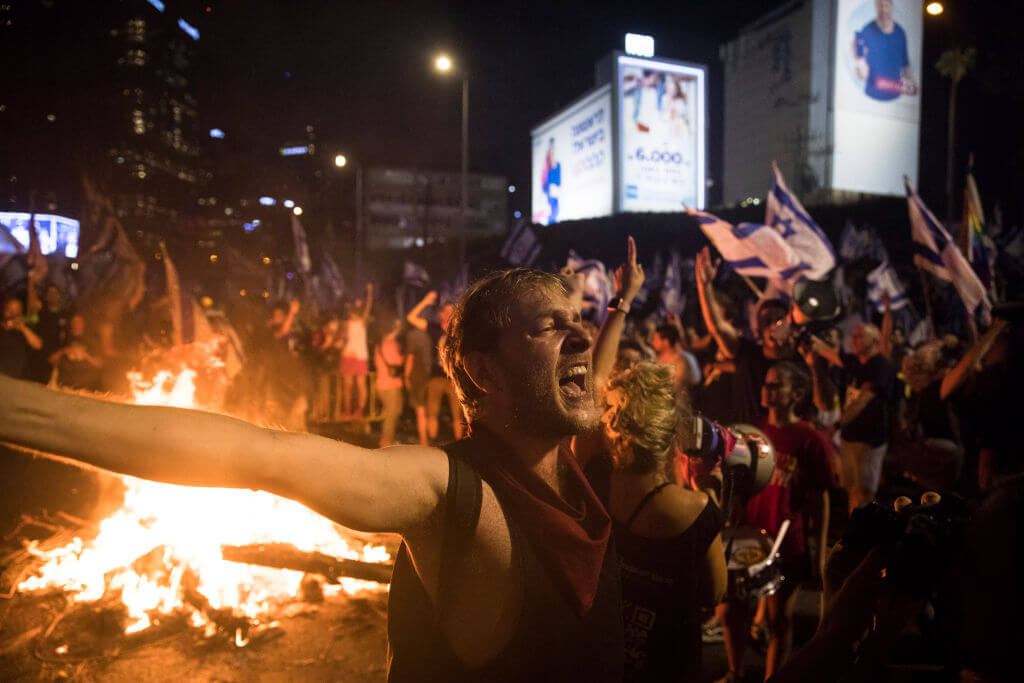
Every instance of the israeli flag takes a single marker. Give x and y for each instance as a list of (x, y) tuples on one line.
[(332, 283), (415, 275), (598, 288), (785, 213), (522, 246), (936, 252), (754, 249), (302, 258), (883, 279), (673, 300), (856, 242)]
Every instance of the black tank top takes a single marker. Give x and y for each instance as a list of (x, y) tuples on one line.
[(549, 643)]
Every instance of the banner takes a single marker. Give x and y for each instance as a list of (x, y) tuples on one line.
[(661, 135), (877, 95), (572, 162)]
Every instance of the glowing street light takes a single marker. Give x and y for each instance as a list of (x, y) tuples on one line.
[(444, 64), (934, 8), (340, 161), (297, 210)]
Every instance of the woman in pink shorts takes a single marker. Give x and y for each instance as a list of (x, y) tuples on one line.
[(355, 358)]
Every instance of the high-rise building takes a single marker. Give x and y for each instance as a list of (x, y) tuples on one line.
[(155, 150), (103, 90)]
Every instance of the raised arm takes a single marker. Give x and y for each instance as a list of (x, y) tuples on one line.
[(415, 316), (389, 490), (885, 338), (724, 333), (967, 365), (286, 327), (369, 301), (629, 277)]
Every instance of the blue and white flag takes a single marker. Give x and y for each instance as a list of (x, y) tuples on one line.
[(857, 243), (936, 252), (415, 275), (785, 213), (598, 288), (522, 246), (9, 246), (331, 280), (753, 249), (883, 279), (302, 259), (672, 298)]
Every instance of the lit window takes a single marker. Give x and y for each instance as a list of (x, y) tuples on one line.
[(138, 122)]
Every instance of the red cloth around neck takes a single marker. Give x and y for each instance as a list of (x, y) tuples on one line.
[(570, 540)]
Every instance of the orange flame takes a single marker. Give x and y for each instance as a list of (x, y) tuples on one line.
[(182, 529)]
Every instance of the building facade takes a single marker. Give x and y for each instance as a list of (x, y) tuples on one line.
[(405, 208)]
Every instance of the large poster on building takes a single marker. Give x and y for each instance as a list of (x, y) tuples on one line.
[(661, 128), (877, 94), (57, 234), (572, 162)]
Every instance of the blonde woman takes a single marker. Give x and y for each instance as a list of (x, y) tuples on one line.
[(667, 537)]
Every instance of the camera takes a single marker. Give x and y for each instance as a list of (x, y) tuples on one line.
[(920, 540), (815, 306)]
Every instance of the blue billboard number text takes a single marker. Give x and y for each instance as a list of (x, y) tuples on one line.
[(657, 157), (591, 161)]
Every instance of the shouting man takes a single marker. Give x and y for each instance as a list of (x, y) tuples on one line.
[(505, 573)]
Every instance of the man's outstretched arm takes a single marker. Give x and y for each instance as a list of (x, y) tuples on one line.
[(388, 490)]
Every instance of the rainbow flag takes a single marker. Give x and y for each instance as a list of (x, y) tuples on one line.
[(979, 246)]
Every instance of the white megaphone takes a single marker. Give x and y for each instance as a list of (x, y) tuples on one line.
[(753, 454)]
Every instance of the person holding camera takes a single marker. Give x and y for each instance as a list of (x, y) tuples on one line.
[(798, 488), (747, 361)]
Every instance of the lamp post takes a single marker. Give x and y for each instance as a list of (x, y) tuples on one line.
[(340, 161), (444, 64)]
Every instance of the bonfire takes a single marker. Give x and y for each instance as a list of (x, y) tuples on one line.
[(160, 559)]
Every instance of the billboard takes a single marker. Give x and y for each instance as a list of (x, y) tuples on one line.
[(571, 162), (661, 112), (56, 233), (877, 95)]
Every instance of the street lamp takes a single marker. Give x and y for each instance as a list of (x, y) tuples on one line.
[(934, 8), (340, 161), (444, 64)]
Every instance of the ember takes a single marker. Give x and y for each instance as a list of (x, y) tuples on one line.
[(162, 550)]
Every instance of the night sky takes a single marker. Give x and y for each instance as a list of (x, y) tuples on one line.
[(362, 74)]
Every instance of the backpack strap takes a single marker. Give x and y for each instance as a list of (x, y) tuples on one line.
[(461, 513)]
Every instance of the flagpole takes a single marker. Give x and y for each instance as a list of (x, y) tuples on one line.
[(753, 288), (927, 304)]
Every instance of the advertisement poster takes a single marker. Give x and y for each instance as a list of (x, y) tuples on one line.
[(877, 94), (56, 233), (572, 162), (661, 124)]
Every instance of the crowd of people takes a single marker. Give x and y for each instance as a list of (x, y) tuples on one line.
[(566, 531)]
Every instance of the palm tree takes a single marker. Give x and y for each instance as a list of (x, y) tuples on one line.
[(954, 65)]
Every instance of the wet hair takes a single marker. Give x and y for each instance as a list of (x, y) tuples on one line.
[(652, 417), (481, 314)]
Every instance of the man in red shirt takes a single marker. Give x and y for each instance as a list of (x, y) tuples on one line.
[(798, 488)]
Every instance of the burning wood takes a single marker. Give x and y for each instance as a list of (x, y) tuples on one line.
[(287, 556), (174, 556)]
